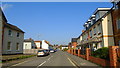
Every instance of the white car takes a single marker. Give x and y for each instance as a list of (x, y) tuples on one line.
[(42, 53), (52, 51)]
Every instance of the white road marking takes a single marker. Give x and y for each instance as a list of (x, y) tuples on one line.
[(44, 62), (41, 64), (71, 62), (50, 57), (18, 64)]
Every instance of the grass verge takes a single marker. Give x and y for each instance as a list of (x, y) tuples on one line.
[(17, 58)]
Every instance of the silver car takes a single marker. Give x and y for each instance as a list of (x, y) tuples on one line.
[(43, 52)]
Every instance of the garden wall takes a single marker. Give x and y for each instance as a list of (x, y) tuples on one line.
[(99, 61), (114, 54)]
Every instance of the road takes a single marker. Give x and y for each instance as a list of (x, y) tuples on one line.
[(54, 60)]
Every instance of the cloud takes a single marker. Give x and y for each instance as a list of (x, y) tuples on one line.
[(6, 6)]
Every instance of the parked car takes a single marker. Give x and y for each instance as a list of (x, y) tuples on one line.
[(43, 52), (48, 52), (55, 50), (52, 50)]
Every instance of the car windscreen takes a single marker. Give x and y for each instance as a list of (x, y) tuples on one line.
[(40, 50), (45, 51)]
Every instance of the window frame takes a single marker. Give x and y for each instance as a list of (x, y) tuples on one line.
[(99, 29), (9, 46), (18, 34), (97, 16), (94, 29), (91, 34), (17, 45), (10, 32)]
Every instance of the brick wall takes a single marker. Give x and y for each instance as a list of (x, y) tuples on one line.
[(115, 16), (74, 44), (83, 56), (113, 53), (102, 62), (118, 64)]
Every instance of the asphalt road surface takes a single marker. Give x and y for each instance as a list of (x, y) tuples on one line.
[(54, 60)]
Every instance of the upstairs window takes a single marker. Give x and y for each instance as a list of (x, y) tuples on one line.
[(94, 31), (97, 16), (99, 28), (93, 21), (118, 24), (10, 32), (18, 34), (90, 33)]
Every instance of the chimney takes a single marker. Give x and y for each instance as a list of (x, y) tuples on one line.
[(30, 38), (83, 31)]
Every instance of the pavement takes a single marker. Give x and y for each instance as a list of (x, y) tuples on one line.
[(54, 60)]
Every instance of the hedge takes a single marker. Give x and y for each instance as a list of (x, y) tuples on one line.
[(102, 53)]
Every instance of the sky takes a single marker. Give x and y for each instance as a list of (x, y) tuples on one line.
[(56, 22)]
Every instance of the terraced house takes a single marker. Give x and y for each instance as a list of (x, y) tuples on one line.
[(98, 30), (12, 38)]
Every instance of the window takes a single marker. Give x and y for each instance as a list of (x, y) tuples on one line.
[(18, 34), (10, 32), (97, 16), (99, 29), (93, 21), (25, 46), (9, 46), (94, 31), (90, 33), (17, 46), (118, 23)]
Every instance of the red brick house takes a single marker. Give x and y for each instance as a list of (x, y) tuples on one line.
[(74, 42), (116, 22)]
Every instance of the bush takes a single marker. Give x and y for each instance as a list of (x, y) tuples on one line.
[(119, 59), (65, 49), (102, 53)]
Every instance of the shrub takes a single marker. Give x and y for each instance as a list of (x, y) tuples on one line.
[(65, 49), (102, 53), (119, 59)]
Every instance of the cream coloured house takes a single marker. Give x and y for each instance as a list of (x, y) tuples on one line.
[(98, 30), (12, 38), (29, 44)]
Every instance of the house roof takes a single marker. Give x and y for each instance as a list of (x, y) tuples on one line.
[(38, 41), (3, 16), (13, 27), (9, 25), (28, 40)]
